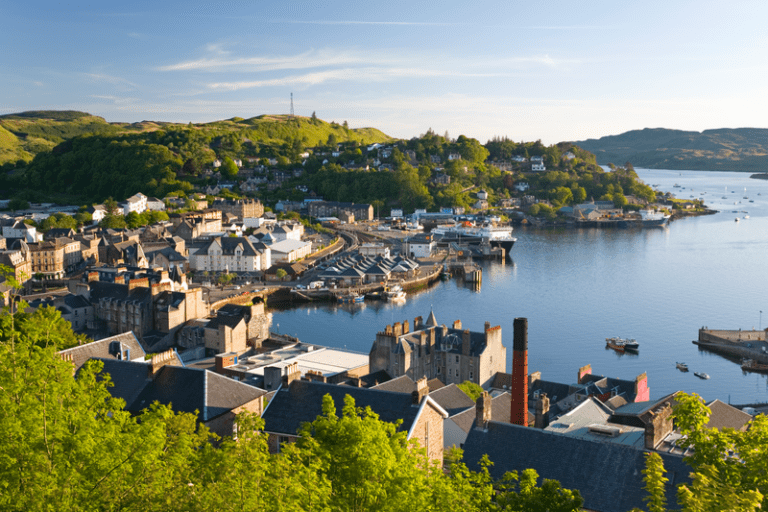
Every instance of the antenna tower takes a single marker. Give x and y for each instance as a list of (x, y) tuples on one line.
[(291, 104)]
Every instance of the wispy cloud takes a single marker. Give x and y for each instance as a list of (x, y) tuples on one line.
[(367, 74), (110, 79), (311, 59), (357, 22)]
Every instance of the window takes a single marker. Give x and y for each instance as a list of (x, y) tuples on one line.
[(457, 359)]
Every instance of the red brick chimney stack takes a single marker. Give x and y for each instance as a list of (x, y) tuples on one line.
[(519, 408)]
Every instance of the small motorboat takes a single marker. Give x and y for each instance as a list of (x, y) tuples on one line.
[(736, 219), (682, 367), (701, 375)]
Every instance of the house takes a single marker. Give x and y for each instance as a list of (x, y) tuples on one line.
[(453, 355), (154, 204), (136, 203), (227, 254), (608, 475), (419, 246), (98, 212), (300, 401), (454, 156), (123, 347), (521, 186), (22, 231), (288, 251), (215, 400), (18, 258), (332, 209), (538, 167), (75, 309), (240, 208)]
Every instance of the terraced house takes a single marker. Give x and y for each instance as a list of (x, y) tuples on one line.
[(229, 254)]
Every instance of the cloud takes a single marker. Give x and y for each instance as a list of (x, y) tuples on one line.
[(310, 59), (114, 80), (367, 74)]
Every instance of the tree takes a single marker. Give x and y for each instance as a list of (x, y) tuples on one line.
[(228, 168), (729, 466), (18, 204), (471, 389), (281, 274), (111, 207)]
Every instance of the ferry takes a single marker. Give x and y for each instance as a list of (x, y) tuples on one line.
[(469, 234), (651, 218)]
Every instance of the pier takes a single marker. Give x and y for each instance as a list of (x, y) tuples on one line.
[(735, 343)]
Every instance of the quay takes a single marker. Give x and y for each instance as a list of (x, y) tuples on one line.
[(735, 343)]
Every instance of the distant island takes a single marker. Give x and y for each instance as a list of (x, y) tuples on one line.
[(741, 149)]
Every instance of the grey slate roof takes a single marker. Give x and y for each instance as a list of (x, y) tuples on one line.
[(402, 384), (106, 348), (452, 399), (192, 390), (608, 476), (302, 402)]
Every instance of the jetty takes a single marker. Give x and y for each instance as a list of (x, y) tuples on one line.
[(738, 344)]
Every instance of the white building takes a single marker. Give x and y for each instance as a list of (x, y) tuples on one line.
[(371, 249), (155, 204), (136, 203), (23, 231), (538, 167), (228, 254), (419, 246), (288, 231), (289, 251)]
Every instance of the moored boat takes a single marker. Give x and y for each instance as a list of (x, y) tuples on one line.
[(701, 375), (395, 292), (350, 298), (751, 365), (682, 367), (616, 344)]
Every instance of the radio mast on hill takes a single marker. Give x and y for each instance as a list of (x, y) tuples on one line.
[(291, 104)]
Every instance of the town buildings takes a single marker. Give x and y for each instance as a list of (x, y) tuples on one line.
[(453, 355)]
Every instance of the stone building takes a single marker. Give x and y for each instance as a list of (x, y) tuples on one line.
[(240, 208), (19, 259), (48, 259), (230, 254), (334, 209), (452, 355), (234, 329), (300, 401)]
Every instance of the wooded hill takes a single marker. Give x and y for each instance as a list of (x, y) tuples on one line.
[(742, 149)]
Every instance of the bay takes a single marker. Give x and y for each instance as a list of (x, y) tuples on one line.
[(579, 286)]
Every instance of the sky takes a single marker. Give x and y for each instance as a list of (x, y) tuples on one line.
[(554, 70)]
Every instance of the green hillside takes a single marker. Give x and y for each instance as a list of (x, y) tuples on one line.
[(742, 149), (26, 134), (84, 158)]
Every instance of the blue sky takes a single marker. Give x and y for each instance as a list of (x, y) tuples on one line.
[(550, 70)]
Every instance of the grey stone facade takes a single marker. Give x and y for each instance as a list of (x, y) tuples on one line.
[(453, 355)]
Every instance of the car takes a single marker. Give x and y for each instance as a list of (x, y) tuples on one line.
[(300, 287)]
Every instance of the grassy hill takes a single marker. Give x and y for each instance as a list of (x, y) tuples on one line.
[(741, 149)]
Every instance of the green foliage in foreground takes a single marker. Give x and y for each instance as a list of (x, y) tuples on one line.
[(66, 444), (729, 466)]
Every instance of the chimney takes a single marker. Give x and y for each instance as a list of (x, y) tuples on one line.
[(420, 392), (158, 361), (418, 323), (542, 412), (273, 376), (120, 279), (93, 276), (224, 361), (466, 342), (584, 370), (642, 391), (457, 324), (406, 328), (658, 424), (483, 410), (519, 391), (533, 377), (292, 373), (139, 282)]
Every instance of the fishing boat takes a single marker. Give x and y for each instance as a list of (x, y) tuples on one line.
[(751, 365), (394, 293), (682, 367), (631, 344), (701, 375), (350, 298), (616, 344)]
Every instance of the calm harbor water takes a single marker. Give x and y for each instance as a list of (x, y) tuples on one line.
[(579, 286)]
